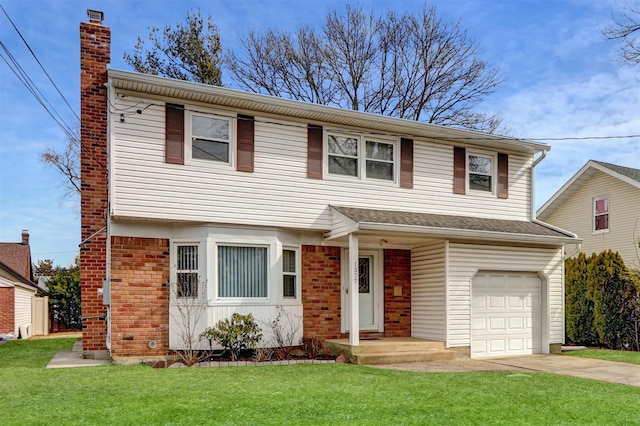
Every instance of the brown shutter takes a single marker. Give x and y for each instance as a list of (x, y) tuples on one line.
[(503, 176), (314, 152), (406, 163), (174, 134), (245, 145), (459, 170)]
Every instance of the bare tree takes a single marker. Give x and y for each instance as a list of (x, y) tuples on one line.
[(67, 163), (626, 30), (189, 51), (415, 67)]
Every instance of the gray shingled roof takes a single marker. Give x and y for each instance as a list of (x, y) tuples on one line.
[(626, 171), (449, 222)]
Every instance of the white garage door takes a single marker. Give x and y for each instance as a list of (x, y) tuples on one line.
[(505, 314)]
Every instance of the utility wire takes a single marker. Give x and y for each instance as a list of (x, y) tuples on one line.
[(39, 63)]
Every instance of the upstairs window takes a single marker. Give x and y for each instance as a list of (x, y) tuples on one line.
[(210, 138), (343, 156), (361, 157), (601, 214), (187, 271), (480, 173), (380, 161)]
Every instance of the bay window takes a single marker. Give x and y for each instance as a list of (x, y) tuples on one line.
[(187, 274), (243, 271)]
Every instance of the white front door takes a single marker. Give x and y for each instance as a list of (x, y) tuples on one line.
[(369, 292), (366, 292)]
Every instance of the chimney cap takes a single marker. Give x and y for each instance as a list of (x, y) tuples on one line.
[(95, 15)]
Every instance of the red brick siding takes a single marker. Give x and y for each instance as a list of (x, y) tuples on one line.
[(7, 310), (321, 291), (397, 309), (95, 43), (139, 296)]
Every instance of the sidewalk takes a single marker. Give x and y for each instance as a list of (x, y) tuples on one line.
[(73, 358)]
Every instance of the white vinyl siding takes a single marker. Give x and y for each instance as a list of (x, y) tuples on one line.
[(576, 215), (465, 260), (22, 300), (428, 292), (263, 314), (278, 192)]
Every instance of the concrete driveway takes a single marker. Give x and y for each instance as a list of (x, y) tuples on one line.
[(586, 368), (595, 369)]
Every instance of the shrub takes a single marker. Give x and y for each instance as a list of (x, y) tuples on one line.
[(235, 334), (602, 301), (610, 281), (579, 307)]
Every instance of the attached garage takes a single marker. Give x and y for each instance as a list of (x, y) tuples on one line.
[(506, 314)]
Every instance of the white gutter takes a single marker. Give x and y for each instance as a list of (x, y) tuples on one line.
[(462, 233), (533, 184)]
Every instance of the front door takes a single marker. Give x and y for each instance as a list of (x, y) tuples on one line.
[(366, 292), (369, 292)]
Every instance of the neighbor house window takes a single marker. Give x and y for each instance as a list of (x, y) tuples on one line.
[(242, 271), (187, 271), (289, 274), (210, 138), (480, 173), (601, 214), (361, 157)]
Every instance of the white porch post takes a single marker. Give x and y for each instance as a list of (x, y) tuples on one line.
[(354, 307)]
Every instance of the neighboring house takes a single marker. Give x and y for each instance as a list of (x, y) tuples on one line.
[(601, 204), (17, 289), (254, 204)]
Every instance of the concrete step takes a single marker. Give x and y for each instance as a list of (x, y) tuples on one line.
[(387, 346), (400, 357)]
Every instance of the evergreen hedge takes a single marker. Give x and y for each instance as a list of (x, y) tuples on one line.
[(601, 301)]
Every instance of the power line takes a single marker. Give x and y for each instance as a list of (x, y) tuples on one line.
[(39, 63)]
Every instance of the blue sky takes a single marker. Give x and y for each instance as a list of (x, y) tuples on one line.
[(564, 80)]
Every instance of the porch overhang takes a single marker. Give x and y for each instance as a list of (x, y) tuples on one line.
[(348, 220)]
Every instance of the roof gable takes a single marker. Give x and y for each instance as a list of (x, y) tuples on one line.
[(17, 256), (625, 174), (10, 274)]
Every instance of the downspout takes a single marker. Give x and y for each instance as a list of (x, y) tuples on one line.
[(107, 300)]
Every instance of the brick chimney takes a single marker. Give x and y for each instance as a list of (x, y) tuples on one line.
[(25, 237), (95, 46)]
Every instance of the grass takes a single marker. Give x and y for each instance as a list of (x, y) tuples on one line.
[(607, 354), (296, 394)]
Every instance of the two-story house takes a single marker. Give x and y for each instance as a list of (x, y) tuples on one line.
[(362, 226), (600, 204)]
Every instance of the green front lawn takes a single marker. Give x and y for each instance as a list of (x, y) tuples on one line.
[(607, 354), (294, 395)]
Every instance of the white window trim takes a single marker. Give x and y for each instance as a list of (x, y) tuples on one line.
[(298, 275), (362, 157), (271, 255), (494, 172), (593, 215), (173, 271), (233, 122)]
